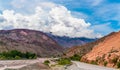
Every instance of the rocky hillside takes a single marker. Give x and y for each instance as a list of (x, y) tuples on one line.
[(83, 49), (29, 41), (70, 42), (105, 53)]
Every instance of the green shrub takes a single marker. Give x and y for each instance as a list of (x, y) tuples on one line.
[(76, 57), (30, 55), (47, 62), (17, 57), (2, 57), (64, 61), (105, 63), (118, 64), (114, 60), (94, 62), (14, 54)]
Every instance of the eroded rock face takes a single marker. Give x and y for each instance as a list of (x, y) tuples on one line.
[(29, 41), (107, 51)]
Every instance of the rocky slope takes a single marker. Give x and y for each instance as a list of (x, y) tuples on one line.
[(70, 42), (29, 41), (105, 53), (83, 49)]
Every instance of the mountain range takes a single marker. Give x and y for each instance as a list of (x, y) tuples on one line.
[(26, 40), (70, 42), (104, 51)]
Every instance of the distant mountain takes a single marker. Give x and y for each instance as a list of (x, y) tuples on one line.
[(69, 42), (26, 40), (84, 49)]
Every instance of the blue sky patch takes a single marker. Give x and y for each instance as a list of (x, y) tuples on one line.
[(96, 12)]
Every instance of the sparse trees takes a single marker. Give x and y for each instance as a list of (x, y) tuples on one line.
[(14, 54)]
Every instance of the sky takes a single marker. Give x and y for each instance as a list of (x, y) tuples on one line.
[(72, 18)]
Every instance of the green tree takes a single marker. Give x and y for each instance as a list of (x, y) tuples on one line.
[(14, 54)]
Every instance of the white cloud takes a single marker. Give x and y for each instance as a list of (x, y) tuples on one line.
[(49, 17), (79, 15)]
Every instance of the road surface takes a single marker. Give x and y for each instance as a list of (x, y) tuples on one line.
[(83, 66)]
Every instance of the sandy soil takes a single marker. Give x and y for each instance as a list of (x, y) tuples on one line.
[(16, 64), (37, 65)]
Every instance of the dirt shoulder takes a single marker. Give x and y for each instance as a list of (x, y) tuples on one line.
[(17, 64)]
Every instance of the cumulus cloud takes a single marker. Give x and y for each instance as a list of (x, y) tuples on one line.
[(48, 17)]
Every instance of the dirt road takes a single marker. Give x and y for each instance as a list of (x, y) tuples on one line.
[(83, 66)]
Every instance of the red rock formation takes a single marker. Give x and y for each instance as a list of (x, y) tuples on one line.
[(106, 51)]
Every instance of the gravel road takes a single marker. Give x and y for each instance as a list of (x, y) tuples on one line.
[(83, 66)]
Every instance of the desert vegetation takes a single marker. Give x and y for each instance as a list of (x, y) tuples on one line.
[(46, 62), (105, 63), (64, 61), (76, 57), (94, 62), (14, 54), (118, 64)]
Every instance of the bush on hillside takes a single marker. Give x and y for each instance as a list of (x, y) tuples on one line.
[(105, 63), (118, 64), (76, 57), (114, 60), (94, 62)]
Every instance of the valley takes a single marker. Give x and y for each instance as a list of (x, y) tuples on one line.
[(37, 64), (21, 47), (59, 34)]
